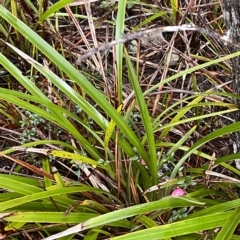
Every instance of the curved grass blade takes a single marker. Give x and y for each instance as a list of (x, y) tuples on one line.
[(173, 149), (225, 130), (46, 194), (58, 5), (163, 204), (221, 207), (18, 186), (152, 162), (230, 225), (17, 74), (59, 217), (179, 228)]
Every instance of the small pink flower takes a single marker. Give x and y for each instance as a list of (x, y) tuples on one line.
[(143, 162), (178, 192)]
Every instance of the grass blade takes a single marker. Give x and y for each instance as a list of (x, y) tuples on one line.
[(152, 161), (164, 203), (229, 226)]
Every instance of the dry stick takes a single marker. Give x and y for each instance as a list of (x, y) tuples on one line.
[(28, 166), (140, 34)]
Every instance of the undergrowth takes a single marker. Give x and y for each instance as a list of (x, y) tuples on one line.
[(132, 142)]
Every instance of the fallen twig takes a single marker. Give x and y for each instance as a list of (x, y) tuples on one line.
[(142, 33)]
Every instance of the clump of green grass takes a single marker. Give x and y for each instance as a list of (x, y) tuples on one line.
[(134, 141)]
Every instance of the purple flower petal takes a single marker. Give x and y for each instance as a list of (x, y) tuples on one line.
[(178, 192), (143, 162)]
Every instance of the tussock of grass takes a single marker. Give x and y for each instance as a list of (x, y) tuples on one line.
[(93, 149)]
